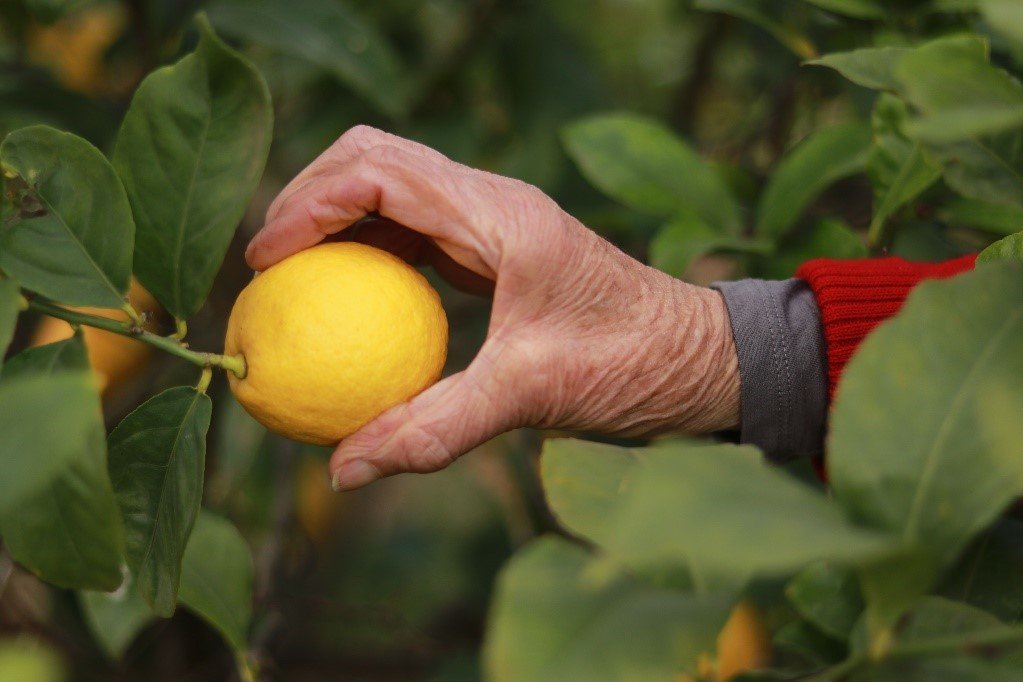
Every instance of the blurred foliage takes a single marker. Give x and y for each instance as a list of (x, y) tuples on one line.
[(711, 138)]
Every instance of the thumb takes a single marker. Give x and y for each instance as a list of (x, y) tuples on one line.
[(428, 432)]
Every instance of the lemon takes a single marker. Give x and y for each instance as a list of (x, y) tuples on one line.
[(332, 337), (743, 645)]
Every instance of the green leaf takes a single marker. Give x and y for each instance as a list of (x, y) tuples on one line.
[(28, 660), (764, 14), (959, 93), (916, 448), (979, 215), (827, 596), (216, 578), (329, 34), (1004, 17), (898, 167), (157, 459), (682, 506), (10, 298), (1010, 248), (820, 160), (686, 238), (642, 164), (116, 618), (69, 531), (871, 67), (827, 238), (32, 452), (548, 622), (191, 151), (78, 251), (990, 573), (857, 9), (988, 169)]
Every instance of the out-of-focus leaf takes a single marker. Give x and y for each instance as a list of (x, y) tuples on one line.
[(48, 11), (828, 597), (32, 452), (69, 532), (327, 33), (157, 459), (990, 574), (857, 9), (898, 167), (10, 298), (549, 623), (1004, 17), (28, 660), (239, 439), (1010, 248), (686, 238), (827, 238), (823, 158), (190, 151), (988, 169), (979, 215), (765, 15), (916, 446), (115, 618), (958, 92), (216, 578), (678, 507), (78, 251), (871, 67), (807, 642), (642, 164)]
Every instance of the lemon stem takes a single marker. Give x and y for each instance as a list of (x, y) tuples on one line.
[(180, 329), (204, 379), (132, 330)]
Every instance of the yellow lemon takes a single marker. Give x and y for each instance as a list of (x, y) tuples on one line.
[(115, 359), (332, 337), (73, 48), (744, 644)]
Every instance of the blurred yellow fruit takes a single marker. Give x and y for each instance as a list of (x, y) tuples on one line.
[(115, 359), (744, 644), (73, 47), (317, 507), (332, 337)]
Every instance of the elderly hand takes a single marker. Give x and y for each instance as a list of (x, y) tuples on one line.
[(581, 335)]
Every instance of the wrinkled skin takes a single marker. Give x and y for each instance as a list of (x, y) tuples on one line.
[(581, 335)]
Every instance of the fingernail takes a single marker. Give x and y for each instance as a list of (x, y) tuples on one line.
[(353, 474)]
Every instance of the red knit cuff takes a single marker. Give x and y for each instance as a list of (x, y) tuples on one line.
[(857, 295)]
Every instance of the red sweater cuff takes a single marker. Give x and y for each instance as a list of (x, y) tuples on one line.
[(855, 296)]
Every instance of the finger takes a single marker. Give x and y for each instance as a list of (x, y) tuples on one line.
[(353, 142), (427, 433), (433, 198)]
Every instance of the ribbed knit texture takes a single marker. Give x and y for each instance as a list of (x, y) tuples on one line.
[(855, 296)]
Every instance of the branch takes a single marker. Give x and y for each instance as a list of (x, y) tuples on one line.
[(231, 363)]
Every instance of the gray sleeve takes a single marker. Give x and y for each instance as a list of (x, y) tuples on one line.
[(782, 365)]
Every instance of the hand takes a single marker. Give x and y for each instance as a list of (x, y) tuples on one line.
[(581, 335)]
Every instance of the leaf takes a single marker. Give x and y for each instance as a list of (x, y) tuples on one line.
[(10, 297), (1010, 248), (216, 578), (682, 505), (1004, 17), (328, 34), (827, 238), (79, 251), (988, 169), (828, 597), (820, 160), (32, 453), (959, 93), (686, 238), (548, 623), (979, 215), (26, 659), (764, 14), (69, 531), (911, 449), (115, 618), (898, 167), (857, 9), (871, 67), (990, 573), (645, 166), (191, 151), (157, 459)]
